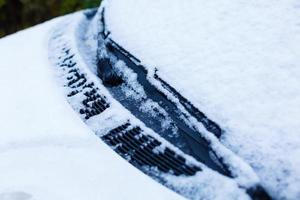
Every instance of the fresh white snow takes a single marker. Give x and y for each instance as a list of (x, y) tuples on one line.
[(237, 61), (69, 34), (46, 151)]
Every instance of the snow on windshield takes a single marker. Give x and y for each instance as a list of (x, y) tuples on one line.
[(235, 60)]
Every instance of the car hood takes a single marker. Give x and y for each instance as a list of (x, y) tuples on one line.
[(46, 151)]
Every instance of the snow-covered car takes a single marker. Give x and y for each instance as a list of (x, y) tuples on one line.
[(201, 96)]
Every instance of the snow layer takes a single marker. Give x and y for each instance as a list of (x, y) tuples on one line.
[(46, 152), (69, 34), (235, 60)]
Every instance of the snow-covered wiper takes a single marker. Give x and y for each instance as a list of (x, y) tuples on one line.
[(143, 118)]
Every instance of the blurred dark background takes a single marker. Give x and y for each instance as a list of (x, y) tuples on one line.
[(19, 14)]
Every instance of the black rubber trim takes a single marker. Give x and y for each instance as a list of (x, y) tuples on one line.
[(140, 149), (93, 103)]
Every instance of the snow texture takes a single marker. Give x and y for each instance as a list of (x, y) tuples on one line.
[(46, 151), (67, 34), (237, 61)]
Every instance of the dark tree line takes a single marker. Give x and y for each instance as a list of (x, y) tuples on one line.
[(20, 14)]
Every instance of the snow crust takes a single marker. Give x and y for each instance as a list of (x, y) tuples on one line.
[(46, 151), (237, 61)]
